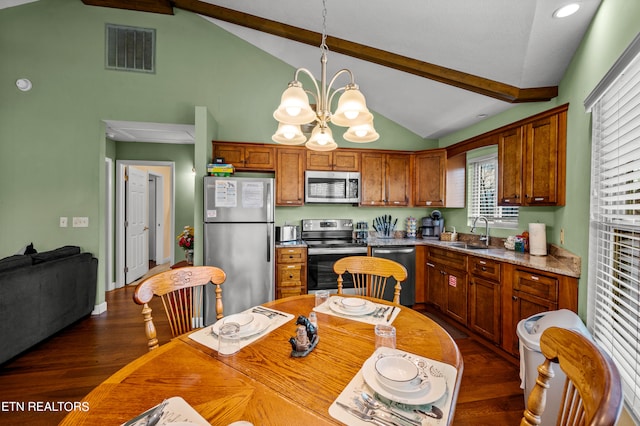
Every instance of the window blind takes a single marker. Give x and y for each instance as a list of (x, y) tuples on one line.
[(613, 312), (483, 193)]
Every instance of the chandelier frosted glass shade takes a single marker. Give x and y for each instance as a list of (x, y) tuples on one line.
[(321, 139), (294, 106), (362, 133), (289, 134), (352, 109)]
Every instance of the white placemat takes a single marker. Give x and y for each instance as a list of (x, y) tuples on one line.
[(325, 308), (358, 385), (206, 337)]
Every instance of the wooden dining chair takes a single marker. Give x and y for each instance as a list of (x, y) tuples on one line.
[(592, 390), (370, 275), (181, 291)]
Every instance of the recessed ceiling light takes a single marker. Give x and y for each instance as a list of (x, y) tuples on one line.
[(566, 10)]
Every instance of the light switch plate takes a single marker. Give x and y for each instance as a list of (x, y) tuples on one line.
[(63, 221), (80, 222)]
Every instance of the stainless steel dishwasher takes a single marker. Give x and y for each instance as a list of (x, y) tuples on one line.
[(406, 256)]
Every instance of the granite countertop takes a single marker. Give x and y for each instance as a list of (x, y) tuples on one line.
[(558, 261), (291, 244)]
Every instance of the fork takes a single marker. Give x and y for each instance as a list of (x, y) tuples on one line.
[(267, 313), (363, 416)]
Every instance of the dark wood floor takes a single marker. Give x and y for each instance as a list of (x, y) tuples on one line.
[(67, 366)]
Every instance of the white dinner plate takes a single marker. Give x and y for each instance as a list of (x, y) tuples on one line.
[(429, 391), (336, 306), (258, 325)]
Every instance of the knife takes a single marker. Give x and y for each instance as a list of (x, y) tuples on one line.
[(390, 313)]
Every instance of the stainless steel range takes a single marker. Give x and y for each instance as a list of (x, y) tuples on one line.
[(329, 240)]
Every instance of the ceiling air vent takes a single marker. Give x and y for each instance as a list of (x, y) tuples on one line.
[(130, 48)]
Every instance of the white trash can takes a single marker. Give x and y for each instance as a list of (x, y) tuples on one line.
[(529, 331)]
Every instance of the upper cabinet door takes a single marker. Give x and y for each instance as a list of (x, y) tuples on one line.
[(430, 178), (398, 179), (544, 156), (290, 176), (373, 179), (340, 161), (510, 155), (249, 157)]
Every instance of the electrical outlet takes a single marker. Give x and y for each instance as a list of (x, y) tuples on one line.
[(561, 235), (63, 221), (80, 222)]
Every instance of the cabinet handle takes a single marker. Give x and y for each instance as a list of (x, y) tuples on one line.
[(482, 262), (514, 298), (431, 265), (483, 268), (533, 277)]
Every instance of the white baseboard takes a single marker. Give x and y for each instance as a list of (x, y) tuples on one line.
[(98, 309)]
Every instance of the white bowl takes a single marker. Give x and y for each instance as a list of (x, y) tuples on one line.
[(353, 304), (243, 320), (397, 372)]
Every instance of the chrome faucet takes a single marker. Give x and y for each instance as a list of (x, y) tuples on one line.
[(484, 237)]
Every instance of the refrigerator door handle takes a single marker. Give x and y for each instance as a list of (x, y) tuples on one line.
[(269, 196), (269, 243)]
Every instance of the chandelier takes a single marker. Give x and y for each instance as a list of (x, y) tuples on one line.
[(295, 111)]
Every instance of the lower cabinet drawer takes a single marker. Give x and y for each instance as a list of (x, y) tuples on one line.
[(536, 285), (289, 275), (486, 268)]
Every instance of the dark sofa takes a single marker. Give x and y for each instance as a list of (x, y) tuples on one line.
[(42, 293)]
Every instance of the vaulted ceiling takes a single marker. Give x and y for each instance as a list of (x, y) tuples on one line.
[(432, 66)]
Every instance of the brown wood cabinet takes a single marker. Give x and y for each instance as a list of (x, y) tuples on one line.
[(290, 164), (529, 292), (430, 178), (447, 282), (339, 160), (485, 310), (291, 271), (386, 179), (532, 162), (246, 156)]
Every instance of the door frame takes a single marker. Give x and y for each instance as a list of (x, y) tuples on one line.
[(157, 228), (120, 213)]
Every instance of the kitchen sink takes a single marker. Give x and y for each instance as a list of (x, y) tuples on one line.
[(467, 246)]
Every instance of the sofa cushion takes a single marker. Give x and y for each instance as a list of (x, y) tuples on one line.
[(58, 253), (15, 261)]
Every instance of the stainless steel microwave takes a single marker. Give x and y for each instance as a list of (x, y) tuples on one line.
[(331, 187)]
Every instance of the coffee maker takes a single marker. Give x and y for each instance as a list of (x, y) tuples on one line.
[(433, 226)]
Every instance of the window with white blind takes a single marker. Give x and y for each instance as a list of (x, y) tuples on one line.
[(613, 313), (482, 193)]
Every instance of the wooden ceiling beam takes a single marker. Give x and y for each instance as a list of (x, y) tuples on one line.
[(462, 80)]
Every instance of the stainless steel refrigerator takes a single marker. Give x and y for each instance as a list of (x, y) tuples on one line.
[(239, 239)]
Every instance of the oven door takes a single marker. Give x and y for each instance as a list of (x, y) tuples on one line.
[(320, 275)]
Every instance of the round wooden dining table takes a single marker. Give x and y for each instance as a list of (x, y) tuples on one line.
[(262, 383)]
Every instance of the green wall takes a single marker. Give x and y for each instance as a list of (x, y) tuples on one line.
[(615, 25), (52, 143)]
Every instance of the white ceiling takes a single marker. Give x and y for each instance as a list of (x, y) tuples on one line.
[(514, 42)]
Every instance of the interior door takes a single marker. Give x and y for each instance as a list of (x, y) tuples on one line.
[(136, 227)]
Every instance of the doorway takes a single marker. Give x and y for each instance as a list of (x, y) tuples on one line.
[(132, 235)]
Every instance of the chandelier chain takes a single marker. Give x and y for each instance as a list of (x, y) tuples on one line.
[(323, 44)]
